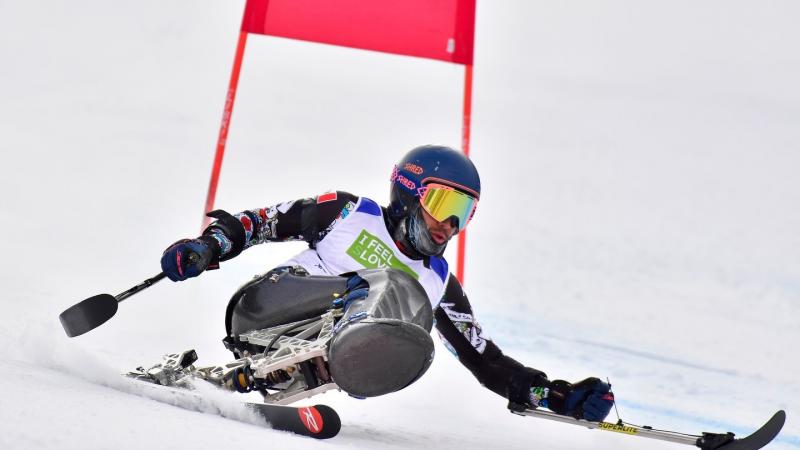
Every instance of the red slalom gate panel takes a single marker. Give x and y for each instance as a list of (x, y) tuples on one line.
[(435, 29)]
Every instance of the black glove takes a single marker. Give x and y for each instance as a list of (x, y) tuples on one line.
[(187, 258), (590, 399), (520, 388)]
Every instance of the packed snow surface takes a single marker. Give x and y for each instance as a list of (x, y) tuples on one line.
[(639, 218)]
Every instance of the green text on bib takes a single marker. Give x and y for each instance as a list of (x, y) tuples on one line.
[(373, 253)]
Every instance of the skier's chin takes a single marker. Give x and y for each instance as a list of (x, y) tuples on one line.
[(439, 238)]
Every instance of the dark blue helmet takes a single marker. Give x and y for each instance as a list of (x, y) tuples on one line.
[(427, 164)]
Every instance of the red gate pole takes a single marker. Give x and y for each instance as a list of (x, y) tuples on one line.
[(224, 126), (465, 131)]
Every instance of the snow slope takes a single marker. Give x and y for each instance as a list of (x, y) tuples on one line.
[(639, 218)]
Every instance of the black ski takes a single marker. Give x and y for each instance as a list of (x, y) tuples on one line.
[(318, 421)]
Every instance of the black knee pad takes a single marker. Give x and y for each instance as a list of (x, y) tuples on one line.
[(382, 343)]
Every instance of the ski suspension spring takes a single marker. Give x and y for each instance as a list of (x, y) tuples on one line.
[(243, 379), (279, 376)]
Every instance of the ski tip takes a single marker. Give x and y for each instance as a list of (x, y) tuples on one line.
[(318, 421), (321, 421)]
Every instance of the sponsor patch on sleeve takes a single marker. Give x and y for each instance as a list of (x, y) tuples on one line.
[(285, 206), (327, 197)]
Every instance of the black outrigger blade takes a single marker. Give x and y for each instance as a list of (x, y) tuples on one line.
[(758, 439), (88, 314), (706, 441), (95, 311)]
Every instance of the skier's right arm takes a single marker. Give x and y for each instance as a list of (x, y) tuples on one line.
[(307, 219)]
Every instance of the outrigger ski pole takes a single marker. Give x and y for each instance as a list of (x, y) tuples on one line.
[(706, 441), (96, 310)]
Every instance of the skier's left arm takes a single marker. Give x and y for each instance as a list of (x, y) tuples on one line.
[(524, 387)]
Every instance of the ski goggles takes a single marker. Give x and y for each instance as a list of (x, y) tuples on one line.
[(443, 202)]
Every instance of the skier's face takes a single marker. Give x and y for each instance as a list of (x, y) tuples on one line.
[(440, 232)]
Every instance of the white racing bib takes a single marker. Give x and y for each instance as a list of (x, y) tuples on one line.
[(359, 240)]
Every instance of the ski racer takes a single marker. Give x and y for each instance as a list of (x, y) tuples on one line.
[(434, 194)]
